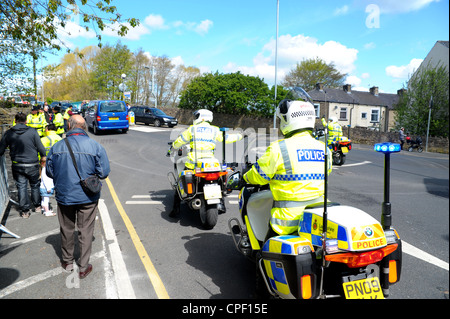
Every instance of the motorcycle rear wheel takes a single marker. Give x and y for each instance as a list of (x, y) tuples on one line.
[(338, 158), (209, 215)]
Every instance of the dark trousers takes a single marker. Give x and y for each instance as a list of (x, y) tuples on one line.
[(24, 174), (83, 215)]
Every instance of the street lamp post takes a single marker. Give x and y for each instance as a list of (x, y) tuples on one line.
[(123, 86), (276, 69)]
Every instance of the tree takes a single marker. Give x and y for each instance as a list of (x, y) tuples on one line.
[(37, 22), (312, 71), (109, 65), (30, 27), (412, 110), (228, 93)]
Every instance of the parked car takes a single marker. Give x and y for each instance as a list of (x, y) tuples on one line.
[(151, 115), (107, 115)]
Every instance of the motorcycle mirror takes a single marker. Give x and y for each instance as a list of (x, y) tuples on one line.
[(233, 182)]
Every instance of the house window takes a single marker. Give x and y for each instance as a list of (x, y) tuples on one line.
[(363, 115), (375, 116), (343, 113), (317, 109)]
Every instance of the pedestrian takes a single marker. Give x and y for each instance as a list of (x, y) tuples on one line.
[(46, 190), (402, 137), (67, 114), (24, 146), (48, 114), (75, 207)]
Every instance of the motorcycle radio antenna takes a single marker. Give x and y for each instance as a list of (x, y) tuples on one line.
[(325, 214)]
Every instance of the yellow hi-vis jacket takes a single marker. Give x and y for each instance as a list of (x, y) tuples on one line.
[(66, 115), (58, 120), (38, 122), (202, 139), (334, 131), (49, 140), (295, 170)]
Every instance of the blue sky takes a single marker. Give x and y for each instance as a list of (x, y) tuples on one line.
[(377, 42)]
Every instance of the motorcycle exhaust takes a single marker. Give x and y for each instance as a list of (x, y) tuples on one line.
[(196, 204)]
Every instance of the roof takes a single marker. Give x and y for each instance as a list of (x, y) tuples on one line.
[(354, 97)]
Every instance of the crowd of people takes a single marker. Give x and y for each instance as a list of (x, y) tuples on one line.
[(40, 158)]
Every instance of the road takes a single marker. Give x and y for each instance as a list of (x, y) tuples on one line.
[(140, 252), (189, 262)]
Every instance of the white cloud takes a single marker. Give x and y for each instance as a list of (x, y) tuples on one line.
[(403, 71), (292, 50), (201, 28), (155, 22), (365, 75), (353, 80), (341, 11), (369, 46), (400, 6)]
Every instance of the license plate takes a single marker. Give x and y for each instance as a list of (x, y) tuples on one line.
[(344, 149), (113, 118), (368, 288), (212, 191), (174, 122)]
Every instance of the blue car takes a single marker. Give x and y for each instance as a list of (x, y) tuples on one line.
[(107, 115)]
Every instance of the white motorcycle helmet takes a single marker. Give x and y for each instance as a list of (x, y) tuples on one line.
[(296, 112), (202, 115)]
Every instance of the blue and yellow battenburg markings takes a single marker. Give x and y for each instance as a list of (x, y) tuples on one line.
[(311, 229), (286, 245)]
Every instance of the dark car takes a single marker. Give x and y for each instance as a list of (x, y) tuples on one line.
[(151, 115), (107, 115)]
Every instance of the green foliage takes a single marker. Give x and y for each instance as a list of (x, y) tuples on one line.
[(312, 71), (232, 93), (412, 111)]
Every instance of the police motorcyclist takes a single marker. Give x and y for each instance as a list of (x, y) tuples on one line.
[(334, 130), (202, 137), (293, 167)]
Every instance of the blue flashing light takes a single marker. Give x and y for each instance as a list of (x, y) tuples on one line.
[(387, 147), (224, 129)]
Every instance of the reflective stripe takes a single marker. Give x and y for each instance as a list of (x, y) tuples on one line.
[(284, 222), (298, 177), (260, 172), (285, 156)]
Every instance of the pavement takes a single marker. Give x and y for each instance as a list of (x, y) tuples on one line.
[(30, 265)]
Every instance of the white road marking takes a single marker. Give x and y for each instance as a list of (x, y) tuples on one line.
[(416, 252), (124, 287), (143, 202), (40, 277)]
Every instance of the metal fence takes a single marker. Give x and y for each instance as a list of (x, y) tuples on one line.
[(5, 195)]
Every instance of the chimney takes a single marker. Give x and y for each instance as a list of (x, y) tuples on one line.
[(374, 90), (319, 86), (348, 88), (401, 92)]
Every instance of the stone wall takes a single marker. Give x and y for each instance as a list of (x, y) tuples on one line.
[(357, 135)]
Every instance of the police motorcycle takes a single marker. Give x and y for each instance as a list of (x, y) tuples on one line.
[(356, 257), (339, 149), (202, 188)]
